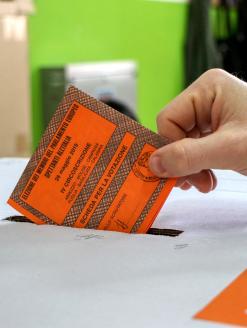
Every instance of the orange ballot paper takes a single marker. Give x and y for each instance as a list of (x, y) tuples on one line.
[(90, 170)]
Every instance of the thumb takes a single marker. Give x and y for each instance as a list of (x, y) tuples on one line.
[(189, 156)]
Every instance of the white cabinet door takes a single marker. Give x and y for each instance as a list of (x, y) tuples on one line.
[(15, 126)]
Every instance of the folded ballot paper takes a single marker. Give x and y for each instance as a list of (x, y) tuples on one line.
[(90, 170)]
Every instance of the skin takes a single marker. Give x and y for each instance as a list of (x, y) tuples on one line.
[(207, 123)]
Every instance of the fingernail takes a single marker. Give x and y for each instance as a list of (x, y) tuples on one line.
[(156, 166)]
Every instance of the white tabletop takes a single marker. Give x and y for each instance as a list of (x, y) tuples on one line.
[(65, 277)]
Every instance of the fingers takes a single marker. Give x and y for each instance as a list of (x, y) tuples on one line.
[(189, 156), (204, 181), (203, 106), (188, 114), (186, 186), (207, 123)]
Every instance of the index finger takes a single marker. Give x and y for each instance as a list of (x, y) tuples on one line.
[(189, 111)]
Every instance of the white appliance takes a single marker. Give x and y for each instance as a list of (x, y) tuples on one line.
[(114, 80)]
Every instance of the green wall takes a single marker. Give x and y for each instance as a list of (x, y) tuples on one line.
[(149, 32)]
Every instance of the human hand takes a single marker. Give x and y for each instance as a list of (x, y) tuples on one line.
[(208, 124)]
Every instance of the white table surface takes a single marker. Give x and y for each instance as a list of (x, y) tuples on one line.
[(63, 277)]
